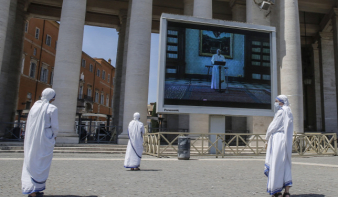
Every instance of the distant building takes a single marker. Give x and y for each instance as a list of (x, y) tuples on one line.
[(96, 86)]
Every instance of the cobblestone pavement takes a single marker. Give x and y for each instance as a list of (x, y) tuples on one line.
[(103, 175)]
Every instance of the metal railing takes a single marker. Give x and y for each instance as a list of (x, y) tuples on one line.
[(238, 144), (101, 133), (12, 131), (85, 98)]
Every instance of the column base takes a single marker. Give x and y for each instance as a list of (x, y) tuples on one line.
[(123, 139), (66, 138)]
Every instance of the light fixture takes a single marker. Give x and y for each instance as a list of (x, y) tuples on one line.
[(265, 5)]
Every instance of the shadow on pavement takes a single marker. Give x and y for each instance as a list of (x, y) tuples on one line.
[(308, 195), (144, 170), (67, 196)]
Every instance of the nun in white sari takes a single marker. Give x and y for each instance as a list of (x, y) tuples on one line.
[(279, 149), (135, 144), (41, 130)]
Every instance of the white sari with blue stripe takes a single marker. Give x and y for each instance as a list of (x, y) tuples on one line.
[(135, 144), (41, 129), (279, 150)]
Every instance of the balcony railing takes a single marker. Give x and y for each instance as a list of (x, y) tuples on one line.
[(85, 98)]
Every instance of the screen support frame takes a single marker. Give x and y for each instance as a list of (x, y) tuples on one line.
[(181, 109)]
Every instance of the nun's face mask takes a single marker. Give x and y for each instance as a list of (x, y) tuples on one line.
[(278, 104)]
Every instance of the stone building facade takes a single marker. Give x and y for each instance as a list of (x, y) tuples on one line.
[(96, 88), (307, 52)]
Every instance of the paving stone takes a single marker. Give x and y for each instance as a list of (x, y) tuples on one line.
[(102, 175)]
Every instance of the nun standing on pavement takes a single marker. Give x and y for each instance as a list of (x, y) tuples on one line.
[(279, 149), (135, 144), (41, 131)]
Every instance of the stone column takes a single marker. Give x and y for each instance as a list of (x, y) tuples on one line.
[(67, 67), (203, 8), (335, 44), (119, 66), (11, 62), (188, 7), (318, 91), (329, 82), (199, 123), (291, 66), (256, 15), (238, 9), (138, 60), (4, 13)]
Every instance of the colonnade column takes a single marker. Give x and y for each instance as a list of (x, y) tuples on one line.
[(117, 107), (138, 61), (199, 123), (203, 8), (318, 89), (291, 66), (67, 67), (11, 60), (335, 44), (4, 13), (238, 9), (256, 15), (189, 7), (329, 81)]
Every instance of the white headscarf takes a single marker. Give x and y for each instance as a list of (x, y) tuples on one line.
[(136, 116), (283, 99), (47, 95)]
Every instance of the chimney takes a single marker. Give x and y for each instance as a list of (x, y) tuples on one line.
[(109, 61)]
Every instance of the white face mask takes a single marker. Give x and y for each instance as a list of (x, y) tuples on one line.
[(277, 106)]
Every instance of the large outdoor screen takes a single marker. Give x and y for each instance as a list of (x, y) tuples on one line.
[(216, 67)]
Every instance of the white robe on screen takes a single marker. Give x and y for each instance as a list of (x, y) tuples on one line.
[(279, 150), (41, 129), (135, 144), (215, 73)]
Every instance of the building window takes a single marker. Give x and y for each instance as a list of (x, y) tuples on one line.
[(51, 77), (48, 40), (80, 92), (108, 78), (98, 73), (90, 67), (28, 104), (103, 75), (32, 70), (83, 64), (102, 99), (34, 52), (107, 101), (89, 92), (96, 97), (23, 63), (26, 26), (37, 33), (44, 74)]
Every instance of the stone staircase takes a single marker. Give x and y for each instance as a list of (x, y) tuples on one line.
[(17, 147)]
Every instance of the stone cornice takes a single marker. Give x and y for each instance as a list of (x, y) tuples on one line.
[(326, 35)]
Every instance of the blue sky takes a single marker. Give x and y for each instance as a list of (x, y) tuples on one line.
[(101, 42)]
